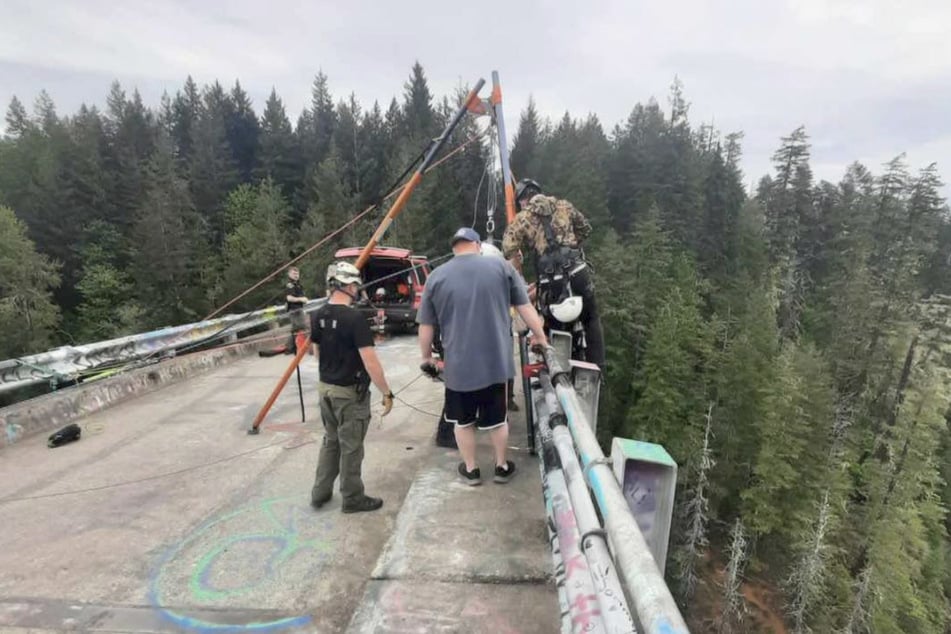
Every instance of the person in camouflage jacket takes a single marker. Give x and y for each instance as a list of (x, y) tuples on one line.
[(568, 225), (542, 217)]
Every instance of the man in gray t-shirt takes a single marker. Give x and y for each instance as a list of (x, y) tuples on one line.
[(469, 299)]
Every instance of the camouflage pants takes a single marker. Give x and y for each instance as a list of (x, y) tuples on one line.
[(346, 418)]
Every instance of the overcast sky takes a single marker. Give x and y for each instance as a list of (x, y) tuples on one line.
[(868, 78)]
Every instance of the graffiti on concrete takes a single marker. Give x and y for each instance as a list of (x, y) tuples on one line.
[(245, 555), (12, 431), (67, 361), (453, 612)]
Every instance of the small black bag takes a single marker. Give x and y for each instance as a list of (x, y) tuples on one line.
[(68, 434)]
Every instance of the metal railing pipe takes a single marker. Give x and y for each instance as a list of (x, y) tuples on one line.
[(558, 564), (573, 573), (654, 606), (614, 606)]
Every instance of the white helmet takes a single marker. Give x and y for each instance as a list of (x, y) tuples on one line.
[(342, 273), (491, 250), (567, 310)]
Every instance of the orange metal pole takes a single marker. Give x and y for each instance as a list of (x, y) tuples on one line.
[(388, 219), (438, 143), (496, 102), (394, 211), (301, 351)]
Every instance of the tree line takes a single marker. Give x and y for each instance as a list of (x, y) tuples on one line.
[(789, 346)]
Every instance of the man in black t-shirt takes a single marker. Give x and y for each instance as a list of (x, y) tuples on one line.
[(348, 364), (295, 307)]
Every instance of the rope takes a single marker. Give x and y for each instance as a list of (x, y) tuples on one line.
[(158, 476), (98, 428), (421, 411), (128, 364), (475, 203), (352, 221)]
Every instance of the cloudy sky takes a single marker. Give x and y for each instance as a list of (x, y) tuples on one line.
[(868, 78)]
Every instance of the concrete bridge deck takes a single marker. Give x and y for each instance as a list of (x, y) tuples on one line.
[(168, 517)]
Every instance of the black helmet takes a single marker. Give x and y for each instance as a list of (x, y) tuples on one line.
[(526, 187)]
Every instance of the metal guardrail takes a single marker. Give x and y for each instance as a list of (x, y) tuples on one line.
[(68, 362), (571, 458)]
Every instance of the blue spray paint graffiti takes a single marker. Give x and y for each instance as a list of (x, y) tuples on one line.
[(265, 538)]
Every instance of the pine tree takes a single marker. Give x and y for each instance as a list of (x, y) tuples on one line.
[(28, 316), (42, 186), (374, 169), (256, 242), (525, 146), (211, 169), (734, 607), (669, 386), (616, 291), (859, 617), (419, 118), (786, 472), (277, 153), (681, 198), (349, 143), (330, 206), (108, 309), (782, 198), (323, 120), (696, 512), (130, 142), (169, 250), (572, 163), (723, 198), (17, 120), (634, 181), (187, 110), (242, 129), (742, 372), (806, 580)]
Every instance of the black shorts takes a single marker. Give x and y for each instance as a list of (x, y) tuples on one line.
[(486, 408)]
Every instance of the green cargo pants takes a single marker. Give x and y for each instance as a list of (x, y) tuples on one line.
[(346, 418)]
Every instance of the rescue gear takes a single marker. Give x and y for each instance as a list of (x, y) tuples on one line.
[(342, 273), (68, 434), (568, 309), (526, 188), (491, 250), (569, 228)]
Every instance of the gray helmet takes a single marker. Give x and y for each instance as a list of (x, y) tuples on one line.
[(526, 188), (342, 273)]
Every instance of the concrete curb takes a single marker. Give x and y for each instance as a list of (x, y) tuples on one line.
[(52, 411)]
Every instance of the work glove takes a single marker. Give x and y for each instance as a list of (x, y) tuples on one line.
[(387, 403), (429, 369)]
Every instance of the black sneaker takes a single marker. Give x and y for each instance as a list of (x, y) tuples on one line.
[(504, 474), (362, 505), (321, 501), (513, 406), (472, 478)]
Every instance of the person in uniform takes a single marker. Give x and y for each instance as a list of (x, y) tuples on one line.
[(295, 308), (343, 345)]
